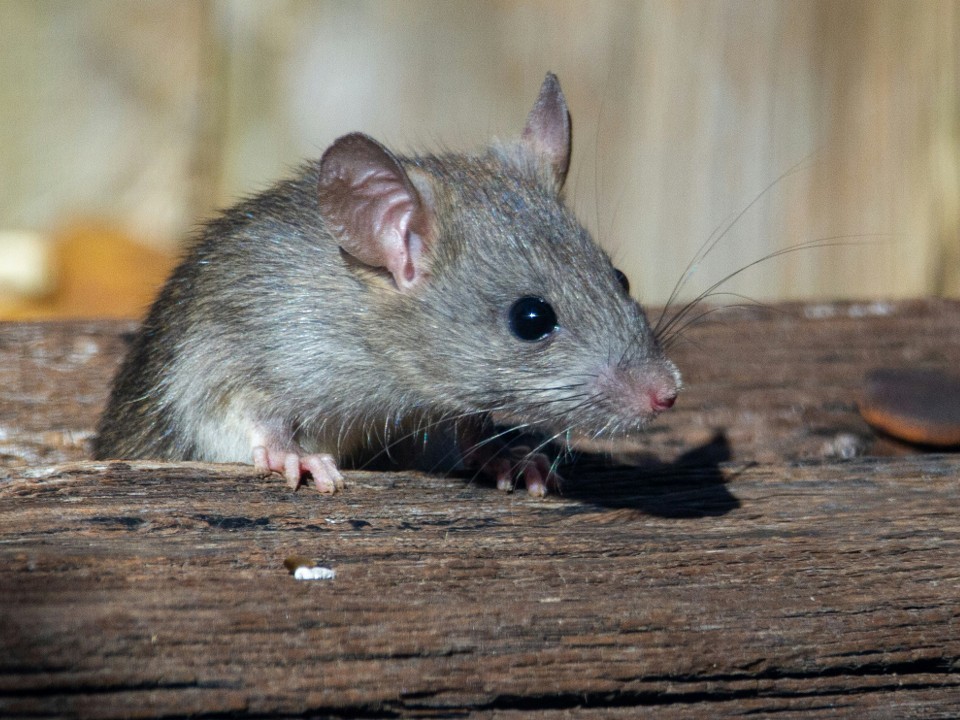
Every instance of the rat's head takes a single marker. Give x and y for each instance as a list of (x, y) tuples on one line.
[(498, 300)]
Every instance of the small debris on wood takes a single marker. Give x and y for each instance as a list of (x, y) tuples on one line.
[(303, 568)]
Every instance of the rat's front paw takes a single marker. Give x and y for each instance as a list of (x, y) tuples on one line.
[(508, 464), (323, 468)]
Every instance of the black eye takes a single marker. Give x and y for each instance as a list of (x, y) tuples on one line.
[(532, 318), (622, 279)]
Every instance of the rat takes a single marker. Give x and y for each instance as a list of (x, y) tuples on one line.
[(373, 295)]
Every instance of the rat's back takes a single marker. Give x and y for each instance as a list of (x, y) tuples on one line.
[(226, 329)]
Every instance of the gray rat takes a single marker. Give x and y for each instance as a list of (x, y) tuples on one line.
[(373, 294)]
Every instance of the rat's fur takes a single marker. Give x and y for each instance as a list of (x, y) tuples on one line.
[(268, 326)]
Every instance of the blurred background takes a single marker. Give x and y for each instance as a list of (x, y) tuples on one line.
[(123, 124)]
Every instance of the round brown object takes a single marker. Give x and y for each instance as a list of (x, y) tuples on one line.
[(917, 405)]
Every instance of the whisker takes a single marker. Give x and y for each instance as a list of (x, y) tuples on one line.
[(677, 333), (720, 232), (816, 243)]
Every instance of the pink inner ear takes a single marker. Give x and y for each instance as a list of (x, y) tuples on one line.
[(380, 207), (372, 207)]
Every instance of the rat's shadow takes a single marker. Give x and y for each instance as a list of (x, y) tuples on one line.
[(692, 486)]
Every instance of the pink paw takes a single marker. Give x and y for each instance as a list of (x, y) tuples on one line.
[(505, 466), (323, 468)]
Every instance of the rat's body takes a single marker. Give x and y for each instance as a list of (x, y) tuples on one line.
[(374, 293)]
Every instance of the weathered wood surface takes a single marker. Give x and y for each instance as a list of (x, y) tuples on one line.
[(747, 569)]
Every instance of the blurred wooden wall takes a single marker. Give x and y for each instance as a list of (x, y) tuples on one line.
[(124, 122)]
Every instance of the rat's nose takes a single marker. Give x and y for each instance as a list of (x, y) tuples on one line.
[(660, 401), (643, 390)]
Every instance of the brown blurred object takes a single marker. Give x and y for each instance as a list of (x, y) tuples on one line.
[(97, 272), (917, 405)]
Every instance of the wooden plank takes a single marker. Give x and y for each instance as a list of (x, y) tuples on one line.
[(744, 568), (54, 379), (777, 382), (140, 590)]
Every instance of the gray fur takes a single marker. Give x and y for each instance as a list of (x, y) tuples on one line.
[(266, 320)]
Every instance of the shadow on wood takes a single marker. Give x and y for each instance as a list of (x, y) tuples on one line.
[(692, 486)]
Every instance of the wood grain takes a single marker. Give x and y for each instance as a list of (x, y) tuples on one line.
[(149, 589), (744, 568)]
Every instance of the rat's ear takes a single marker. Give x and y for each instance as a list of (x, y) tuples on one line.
[(373, 209), (547, 132)]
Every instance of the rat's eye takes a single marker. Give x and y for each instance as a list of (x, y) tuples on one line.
[(532, 318), (622, 279)]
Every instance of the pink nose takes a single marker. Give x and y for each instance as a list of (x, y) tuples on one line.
[(660, 402)]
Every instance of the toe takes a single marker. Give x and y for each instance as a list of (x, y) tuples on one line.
[(502, 471), (261, 460), (291, 470), (539, 475), (326, 476), (535, 481), (334, 472)]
